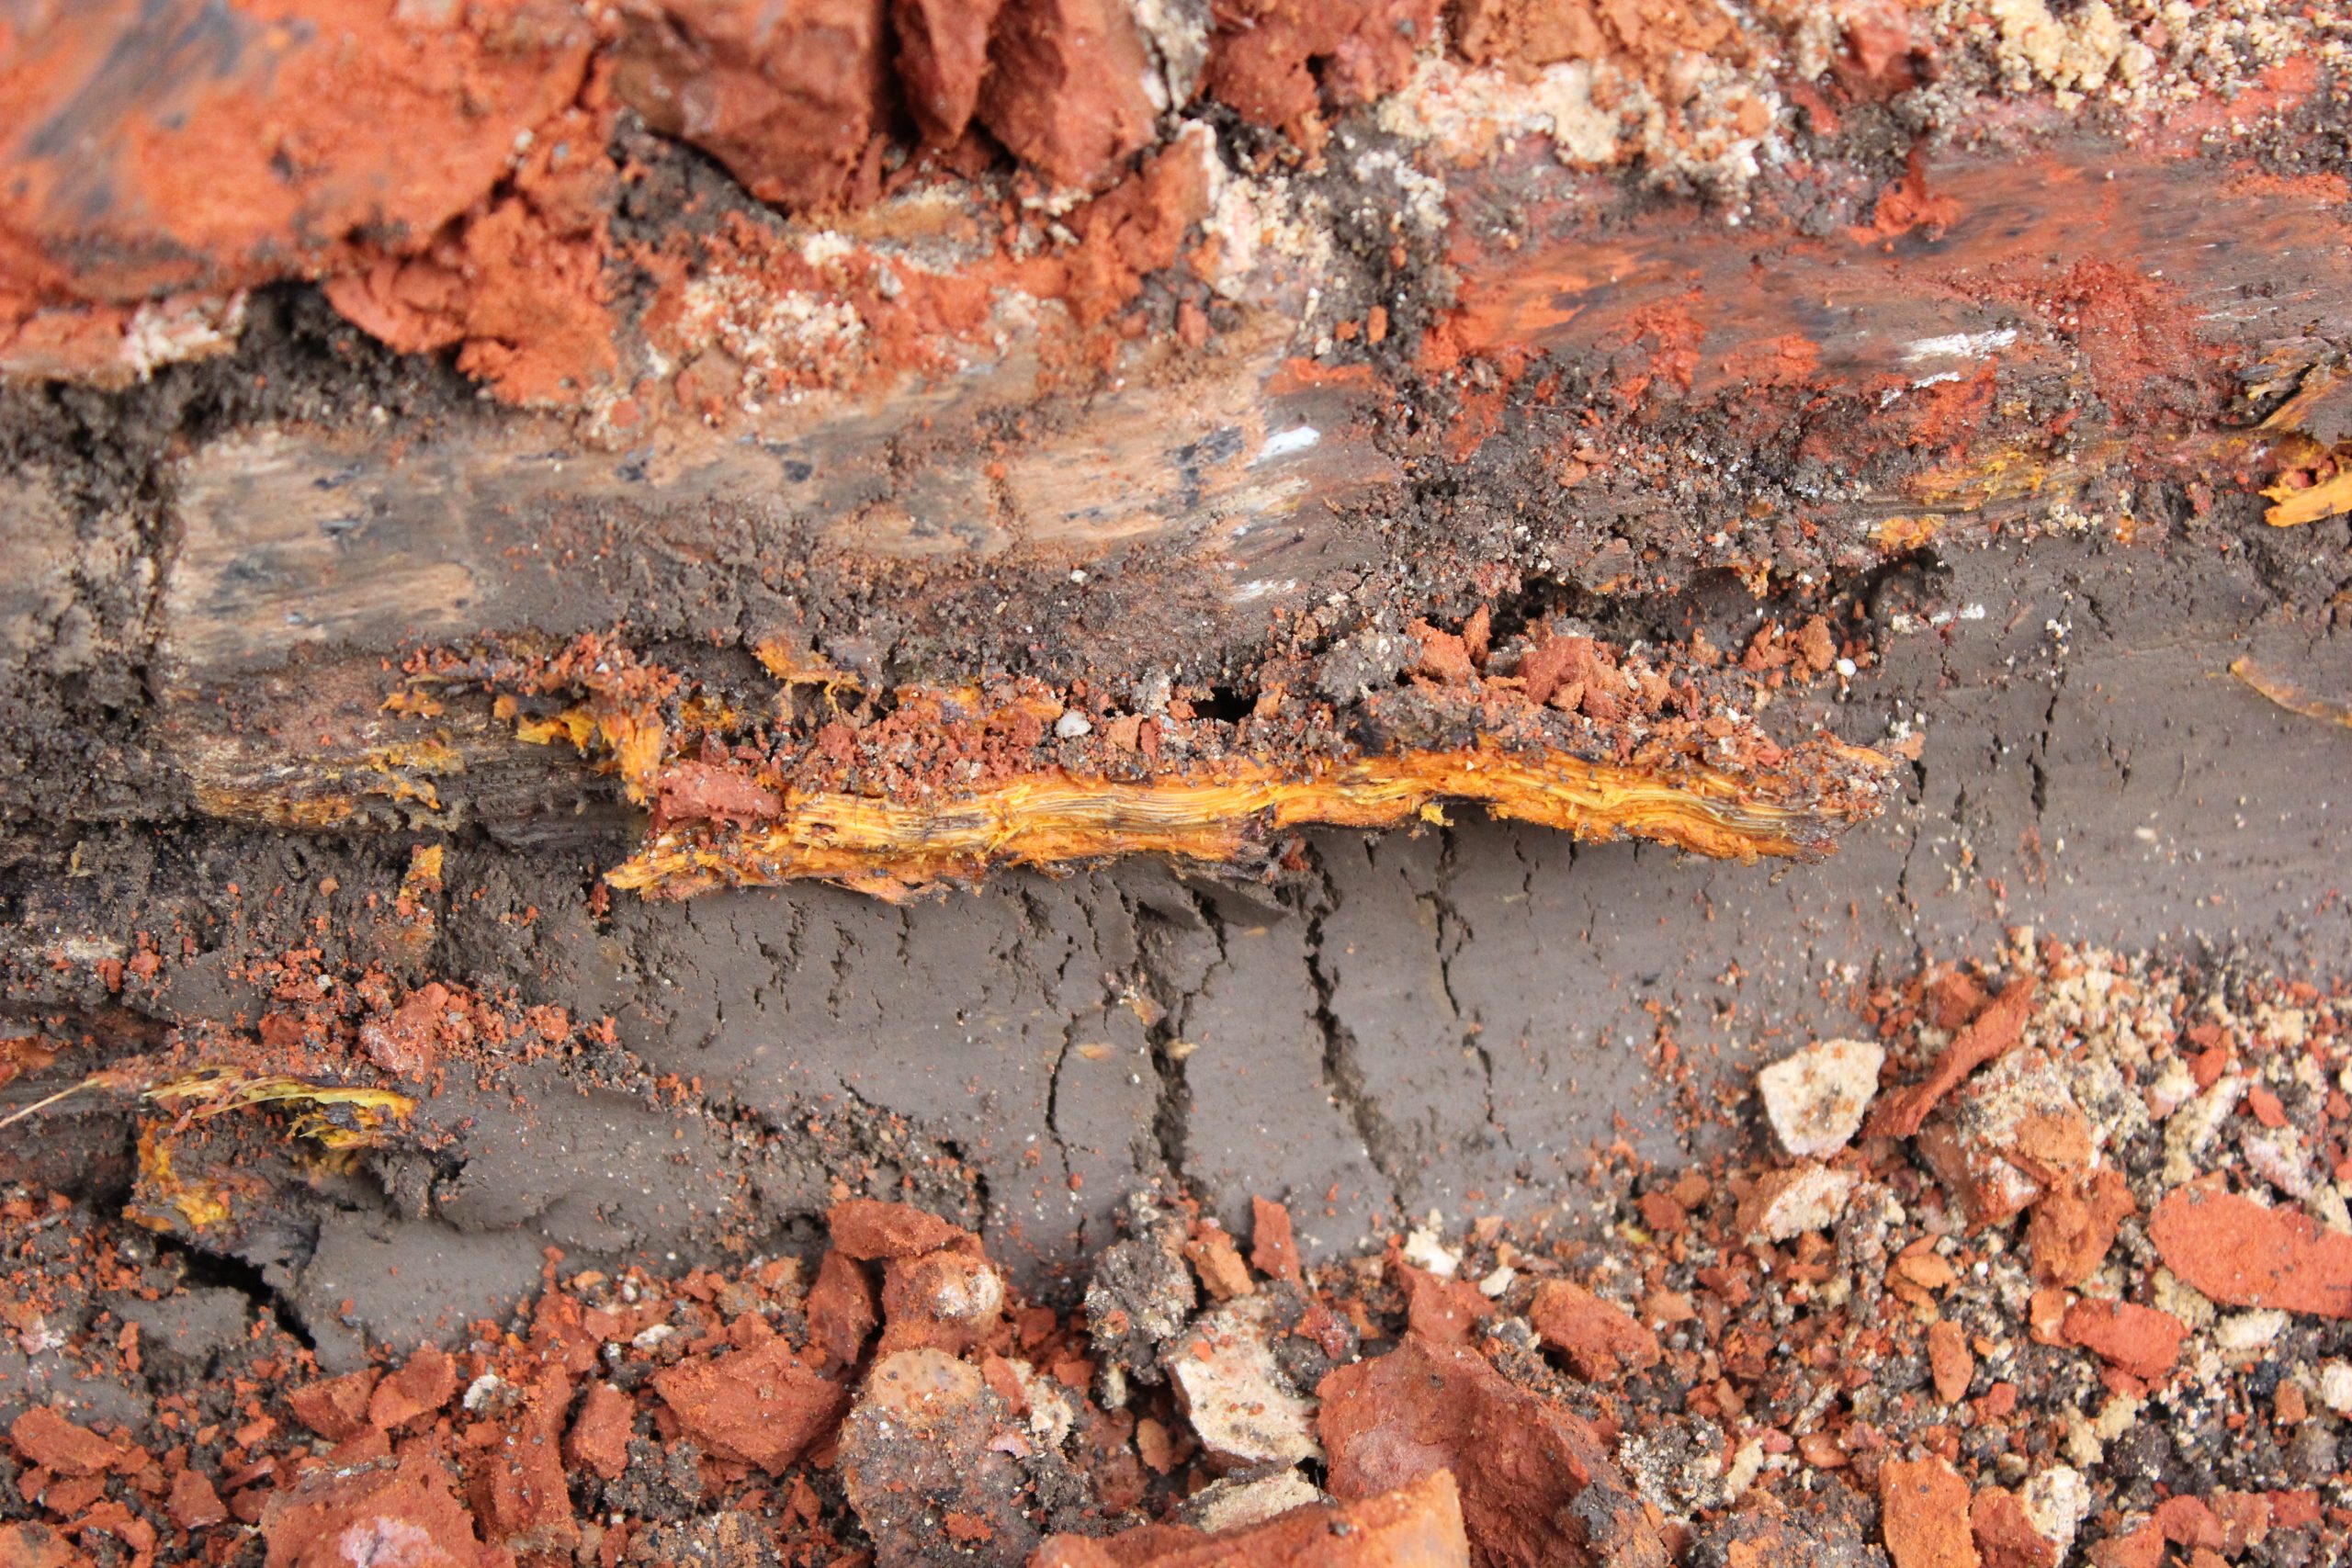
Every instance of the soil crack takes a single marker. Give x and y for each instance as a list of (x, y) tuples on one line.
[(1343, 1076)]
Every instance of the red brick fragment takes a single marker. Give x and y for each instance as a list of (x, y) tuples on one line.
[(518, 1488), (942, 55), (1536, 1483), (1416, 1526), (66, 1498), (112, 1518), (1218, 1264), (1136, 228), (843, 1310), (336, 1408), (194, 1503), (1663, 1212), (36, 1546), (2242, 1254), (599, 1438), (950, 1300), (2008, 1136), (1156, 1445), (691, 791), (785, 97), (2004, 1536), (1445, 657), (1273, 1250), (1601, 1340), (420, 1388), (381, 1513), (408, 1041), (1065, 89), (59, 1446), (1923, 1515), (2186, 1521), (2245, 1519), (763, 1406), (1446, 1310), (869, 1230), (2141, 1548), (1995, 1031), (1952, 996), (1564, 661), (2069, 1232), (263, 152), (1950, 1361), (2141, 1340), (1275, 60), (561, 1336)]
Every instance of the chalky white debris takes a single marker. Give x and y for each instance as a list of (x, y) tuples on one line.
[(1788, 1204), (1242, 1408), (1816, 1098)]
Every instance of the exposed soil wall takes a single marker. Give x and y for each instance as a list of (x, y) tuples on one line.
[(1876, 393), (652, 618), (1462, 1011)]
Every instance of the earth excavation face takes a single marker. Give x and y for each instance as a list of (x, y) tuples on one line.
[(1110, 783)]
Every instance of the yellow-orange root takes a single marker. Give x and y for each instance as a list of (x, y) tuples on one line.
[(892, 846), (2297, 507), (2289, 696)]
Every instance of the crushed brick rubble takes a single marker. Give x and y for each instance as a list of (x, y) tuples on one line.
[(2054, 1268), (503, 225)]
